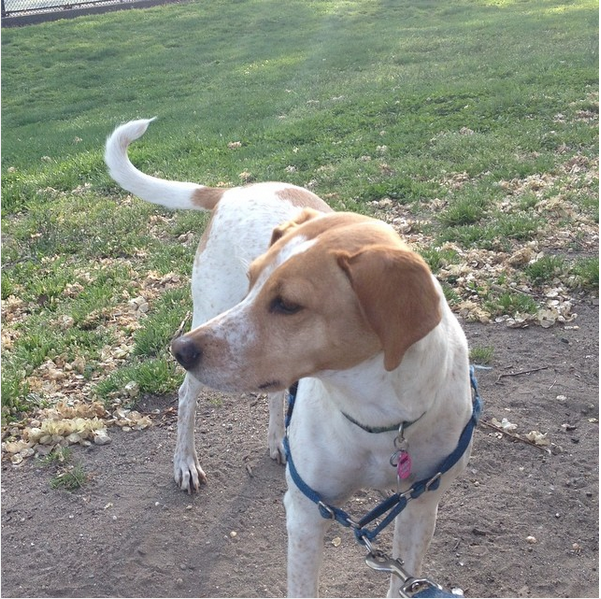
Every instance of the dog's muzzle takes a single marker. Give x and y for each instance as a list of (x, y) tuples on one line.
[(186, 352)]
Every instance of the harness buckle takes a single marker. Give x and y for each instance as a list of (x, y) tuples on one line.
[(370, 548), (433, 480), (326, 511)]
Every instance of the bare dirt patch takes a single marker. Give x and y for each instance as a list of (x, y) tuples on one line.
[(521, 521)]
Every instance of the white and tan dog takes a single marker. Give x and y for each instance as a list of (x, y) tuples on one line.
[(284, 290)]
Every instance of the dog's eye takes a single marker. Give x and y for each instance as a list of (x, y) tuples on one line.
[(282, 306)]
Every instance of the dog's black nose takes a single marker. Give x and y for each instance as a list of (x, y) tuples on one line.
[(186, 352)]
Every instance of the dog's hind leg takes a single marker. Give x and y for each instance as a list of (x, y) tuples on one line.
[(275, 433), (186, 468)]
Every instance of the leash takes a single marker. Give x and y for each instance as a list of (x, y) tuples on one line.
[(391, 507)]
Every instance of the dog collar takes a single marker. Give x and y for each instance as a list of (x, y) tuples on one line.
[(381, 429)]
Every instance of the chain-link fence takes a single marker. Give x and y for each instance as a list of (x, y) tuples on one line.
[(13, 8)]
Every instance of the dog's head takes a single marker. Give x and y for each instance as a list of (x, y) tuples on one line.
[(331, 292)]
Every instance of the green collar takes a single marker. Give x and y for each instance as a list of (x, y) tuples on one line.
[(381, 429)]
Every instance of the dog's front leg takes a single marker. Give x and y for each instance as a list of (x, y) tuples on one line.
[(306, 529), (186, 468), (413, 531), (275, 432)]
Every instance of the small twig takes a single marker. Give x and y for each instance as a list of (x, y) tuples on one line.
[(502, 289), (513, 436), (180, 329), (519, 373)]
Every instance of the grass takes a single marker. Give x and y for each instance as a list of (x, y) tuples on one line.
[(477, 119), (57, 457), (72, 478), (482, 354), (545, 269), (511, 303), (69, 476), (587, 273)]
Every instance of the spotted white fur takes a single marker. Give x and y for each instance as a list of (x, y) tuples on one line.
[(332, 454)]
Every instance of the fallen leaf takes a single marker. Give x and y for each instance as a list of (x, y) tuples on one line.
[(538, 438)]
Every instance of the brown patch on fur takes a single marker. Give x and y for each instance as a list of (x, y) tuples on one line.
[(207, 197), (303, 198), (303, 217), (398, 297), (310, 226), (202, 244)]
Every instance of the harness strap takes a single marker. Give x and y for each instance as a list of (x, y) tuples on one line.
[(327, 511), (291, 399), (396, 503)]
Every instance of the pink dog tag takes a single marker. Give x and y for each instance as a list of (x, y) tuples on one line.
[(403, 467)]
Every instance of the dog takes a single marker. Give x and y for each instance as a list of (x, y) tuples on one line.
[(286, 290)]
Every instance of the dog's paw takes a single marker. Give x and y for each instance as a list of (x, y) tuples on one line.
[(187, 472), (276, 451)]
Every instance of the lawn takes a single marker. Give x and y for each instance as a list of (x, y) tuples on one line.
[(471, 126)]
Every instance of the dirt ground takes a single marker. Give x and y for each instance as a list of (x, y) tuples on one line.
[(129, 532)]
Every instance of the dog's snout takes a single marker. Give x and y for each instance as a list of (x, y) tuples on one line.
[(186, 352)]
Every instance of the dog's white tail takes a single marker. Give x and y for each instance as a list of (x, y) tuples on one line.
[(172, 194)]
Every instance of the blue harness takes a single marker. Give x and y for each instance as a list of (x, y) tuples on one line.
[(391, 507)]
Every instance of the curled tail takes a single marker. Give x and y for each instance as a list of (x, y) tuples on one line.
[(171, 194)]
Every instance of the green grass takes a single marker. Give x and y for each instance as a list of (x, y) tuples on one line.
[(587, 273), (58, 456), (545, 269), (72, 478), (511, 304), (482, 354), (437, 258), (152, 376), (69, 476), (365, 100)]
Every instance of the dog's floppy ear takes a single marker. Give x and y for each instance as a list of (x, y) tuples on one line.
[(397, 296), (303, 217)]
